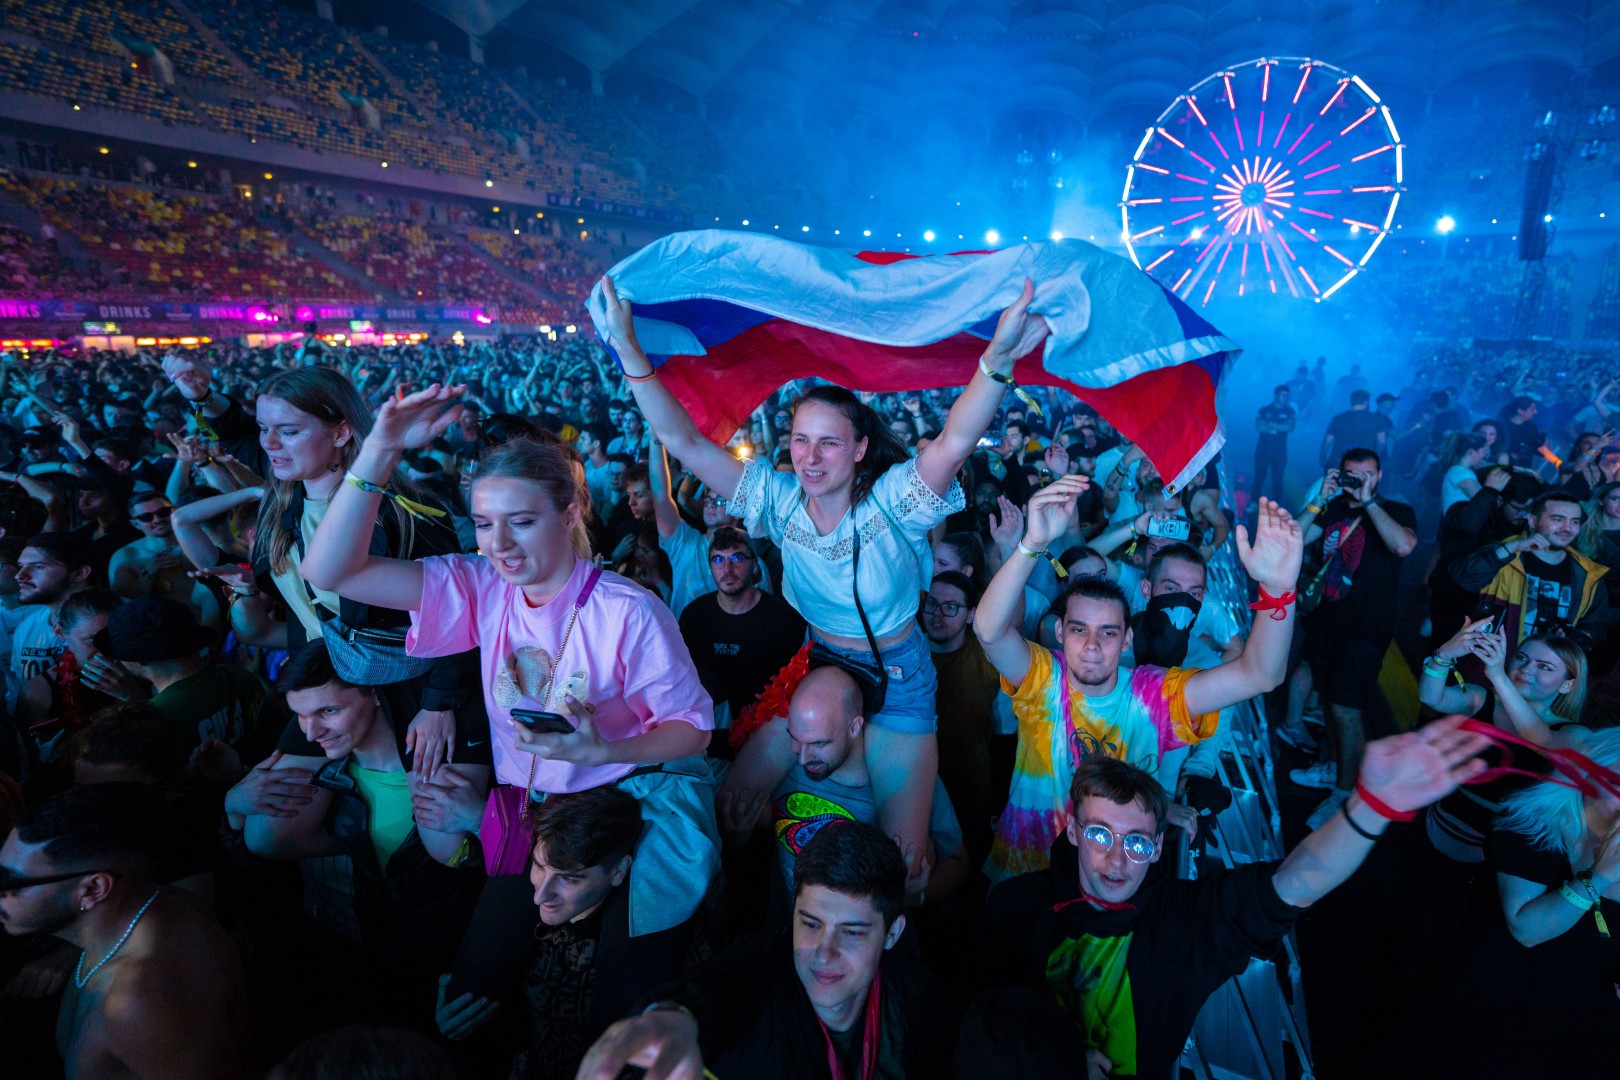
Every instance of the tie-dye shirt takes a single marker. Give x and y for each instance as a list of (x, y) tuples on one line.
[(1141, 718)]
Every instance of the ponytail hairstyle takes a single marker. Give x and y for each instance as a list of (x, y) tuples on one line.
[(884, 450), (551, 466), (1457, 444), (327, 395)]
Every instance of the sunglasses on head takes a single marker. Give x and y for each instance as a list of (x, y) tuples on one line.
[(11, 881)]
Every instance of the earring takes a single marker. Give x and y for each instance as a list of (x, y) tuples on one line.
[(84, 907)]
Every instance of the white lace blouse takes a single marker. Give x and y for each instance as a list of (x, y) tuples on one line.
[(896, 562)]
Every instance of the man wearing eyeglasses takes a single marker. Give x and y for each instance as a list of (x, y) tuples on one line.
[(157, 991), (1132, 954), (739, 635), (968, 686), (154, 565), (687, 548)]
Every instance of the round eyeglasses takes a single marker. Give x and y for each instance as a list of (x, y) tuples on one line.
[(1137, 847)]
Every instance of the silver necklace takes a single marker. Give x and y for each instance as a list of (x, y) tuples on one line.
[(79, 982)]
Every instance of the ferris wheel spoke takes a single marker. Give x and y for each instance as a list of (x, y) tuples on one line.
[(1277, 181)]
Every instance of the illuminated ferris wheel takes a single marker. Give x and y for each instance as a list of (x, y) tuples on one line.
[(1280, 175)]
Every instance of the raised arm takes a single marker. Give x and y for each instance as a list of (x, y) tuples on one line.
[(665, 512), (188, 524), (670, 422), (338, 556), (1018, 332), (996, 621), (1272, 560), (1402, 773), (1435, 686)]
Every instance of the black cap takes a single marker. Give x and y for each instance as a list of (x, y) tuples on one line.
[(150, 629)]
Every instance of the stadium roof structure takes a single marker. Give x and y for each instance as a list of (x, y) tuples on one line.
[(1087, 59)]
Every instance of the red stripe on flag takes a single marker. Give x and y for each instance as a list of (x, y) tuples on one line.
[(1169, 411)]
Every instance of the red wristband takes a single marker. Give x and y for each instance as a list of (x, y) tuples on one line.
[(1277, 605), (1382, 808)]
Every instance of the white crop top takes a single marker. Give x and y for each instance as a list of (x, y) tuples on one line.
[(816, 570)]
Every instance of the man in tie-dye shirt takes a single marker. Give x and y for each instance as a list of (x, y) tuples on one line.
[(1077, 702)]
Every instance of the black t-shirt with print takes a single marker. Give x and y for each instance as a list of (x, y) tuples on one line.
[(1549, 593), (1358, 588), (738, 654)]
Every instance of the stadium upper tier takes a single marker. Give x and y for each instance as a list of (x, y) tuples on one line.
[(254, 70)]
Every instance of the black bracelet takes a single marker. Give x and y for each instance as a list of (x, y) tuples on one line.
[(1344, 808)]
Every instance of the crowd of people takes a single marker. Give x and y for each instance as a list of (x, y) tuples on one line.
[(461, 710)]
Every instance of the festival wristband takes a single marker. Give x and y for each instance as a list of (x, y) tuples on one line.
[(653, 374), (1277, 605), (1010, 383), (1382, 808), (410, 506), (1057, 567), (1574, 897)]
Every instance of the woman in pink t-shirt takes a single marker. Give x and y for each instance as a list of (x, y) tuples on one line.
[(555, 635)]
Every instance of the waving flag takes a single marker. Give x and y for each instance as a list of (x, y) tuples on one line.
[(729, 317)]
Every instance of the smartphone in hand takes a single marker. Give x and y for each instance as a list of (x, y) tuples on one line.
[(549, 722)]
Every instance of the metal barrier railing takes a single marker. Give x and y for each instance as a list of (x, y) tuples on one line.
[(1243, 1027)]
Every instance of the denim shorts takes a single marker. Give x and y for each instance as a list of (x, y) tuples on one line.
[(908, 707)]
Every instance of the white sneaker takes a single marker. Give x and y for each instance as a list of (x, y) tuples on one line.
[(1323, 775), (1329, 807)]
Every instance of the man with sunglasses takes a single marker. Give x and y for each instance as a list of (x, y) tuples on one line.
[(739, 635), (1132, 954), (157, 990), (154, 565)]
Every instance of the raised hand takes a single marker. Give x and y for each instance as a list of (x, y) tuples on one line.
[(191, 374), (415, 420), (1462, 642), (1008, 526), (1057, 458), (1498, 478), (1018, 332), (1047, 516), (1273, 558), (1330, 486), (1492, 648), (620, 330), (1412, 770)]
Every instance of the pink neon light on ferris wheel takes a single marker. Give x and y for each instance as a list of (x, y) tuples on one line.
[(1181, 222)]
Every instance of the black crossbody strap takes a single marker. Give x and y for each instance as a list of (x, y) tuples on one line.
[(871, 639)]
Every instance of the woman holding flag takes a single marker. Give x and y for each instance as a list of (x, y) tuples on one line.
[(852, 521)]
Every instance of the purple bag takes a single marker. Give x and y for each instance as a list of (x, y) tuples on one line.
[(504, 831)]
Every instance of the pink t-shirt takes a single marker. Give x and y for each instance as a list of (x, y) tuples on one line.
[(625, 656)]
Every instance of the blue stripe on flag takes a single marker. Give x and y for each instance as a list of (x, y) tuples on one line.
[(712, 322), (1192, 324)]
